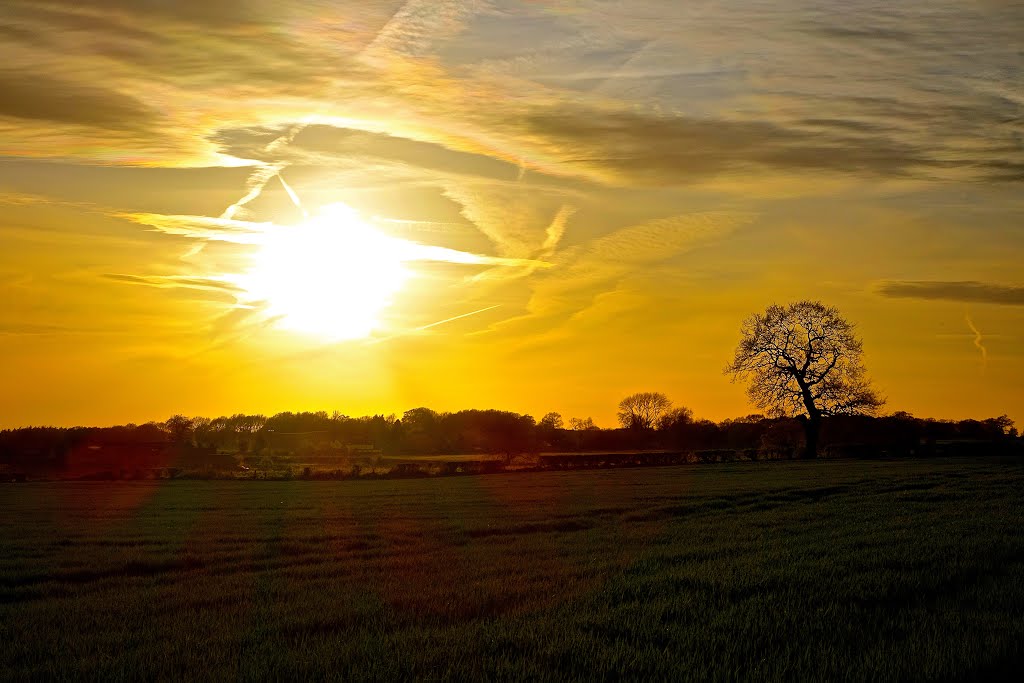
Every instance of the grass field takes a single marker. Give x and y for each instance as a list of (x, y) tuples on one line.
[(839, 570)]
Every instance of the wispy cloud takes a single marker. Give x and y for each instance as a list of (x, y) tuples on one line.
[(556, 229), (519, 220), (968, 291), (419, 25), (582, 276), (202, 227), (600, 93), (39, 97), (250, 233), (18, 329), (178, 281)]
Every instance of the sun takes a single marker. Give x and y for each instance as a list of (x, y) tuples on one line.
[(331, 276)]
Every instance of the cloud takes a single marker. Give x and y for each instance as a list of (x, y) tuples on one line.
[(663, 111), (645, 96), (39, 97), (418, 26), (224, 13), (18, 329), (249, 233), (635, 148), (23, 199), (556, 229), (968, 291), (202, 227), (201, 66), (327, 145), (660, 239), (845, 91), (177, 281), (582, 275), (519, 220)]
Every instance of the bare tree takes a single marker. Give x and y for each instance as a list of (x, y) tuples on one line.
[(804, 359), (642, 410)]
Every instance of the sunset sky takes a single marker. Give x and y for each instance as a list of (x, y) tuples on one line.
[(224, 206)]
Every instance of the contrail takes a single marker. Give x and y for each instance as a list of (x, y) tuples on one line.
[(256, 182), (194, 251), (291, 193), (977, 340), (265, 172), (456, 317), (378, 340)]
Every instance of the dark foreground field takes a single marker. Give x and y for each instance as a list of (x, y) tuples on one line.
[(821, 570)]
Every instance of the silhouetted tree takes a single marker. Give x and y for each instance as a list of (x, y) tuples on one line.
[(180, 429), (421, 430), (804, 359), (674, 418), (580, 424), (581, 428), (509, 433), (246, 427), (551, 430), (551, 422), (202, 432), (643, 410), (998, 426)]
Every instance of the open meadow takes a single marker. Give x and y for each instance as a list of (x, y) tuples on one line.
[(841, 570)]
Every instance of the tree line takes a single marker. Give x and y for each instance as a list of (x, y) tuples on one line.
[(648, 421), (802, 364)]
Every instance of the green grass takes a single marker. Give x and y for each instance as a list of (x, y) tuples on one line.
[(778, 571)]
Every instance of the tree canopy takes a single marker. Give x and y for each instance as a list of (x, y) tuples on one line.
[(803, 359), (643, 410)]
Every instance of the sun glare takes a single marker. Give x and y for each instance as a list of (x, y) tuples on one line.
[(330, 276)]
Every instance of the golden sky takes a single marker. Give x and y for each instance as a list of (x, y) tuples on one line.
[(256, 206)]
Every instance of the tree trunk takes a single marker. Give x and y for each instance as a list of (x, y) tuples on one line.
[(811, 428), (813, 424)]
